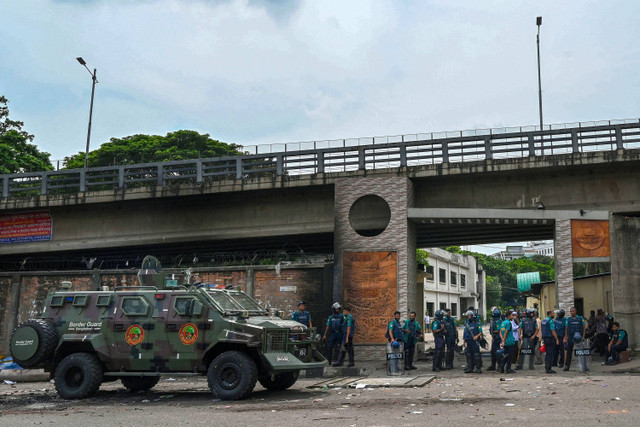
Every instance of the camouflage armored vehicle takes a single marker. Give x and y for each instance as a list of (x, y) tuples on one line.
[(136, 334)]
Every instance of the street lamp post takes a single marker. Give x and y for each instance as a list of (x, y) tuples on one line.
[(539, 23), (93, 90)]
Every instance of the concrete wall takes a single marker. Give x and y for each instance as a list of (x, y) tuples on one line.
[(313, 284), (595, 291)]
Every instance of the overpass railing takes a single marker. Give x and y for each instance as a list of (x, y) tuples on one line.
[(350, 155)]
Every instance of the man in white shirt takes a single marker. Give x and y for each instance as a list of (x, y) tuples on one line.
[(427, 321)]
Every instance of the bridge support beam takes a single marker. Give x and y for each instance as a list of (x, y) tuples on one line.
[(564, 265), (625, 275)]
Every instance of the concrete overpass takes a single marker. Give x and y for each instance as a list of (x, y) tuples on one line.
[(381, 196)]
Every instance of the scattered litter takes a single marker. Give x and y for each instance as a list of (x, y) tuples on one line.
[(604, 385), (170, 379), (617, 412), (360, 386), (450, 400), (537, 394), (9, 382), (146, 401), (228, 406), (512, 391), (273, 410), (318, 400), (510, 404), (616, 398), (506, 379), (416, 412), (532, 409), (216, 400), (166, 396)]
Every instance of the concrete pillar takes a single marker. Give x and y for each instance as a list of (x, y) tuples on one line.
[(625, 275), (564, 264), (399, 236), (250, 282)]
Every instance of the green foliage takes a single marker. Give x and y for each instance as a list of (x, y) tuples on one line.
[(422, 256), (494, 292), (179, 145), (17, 154)]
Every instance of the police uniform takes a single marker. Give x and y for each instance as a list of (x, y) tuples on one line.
[(494, 330), (334, 322), (574, 325), (471, 329), (547, 327), (347, 347), (303, 317), (528, 328), (450, 340), (619, 335), (509, 345), (439, 343), (410, 340), (558, 356)]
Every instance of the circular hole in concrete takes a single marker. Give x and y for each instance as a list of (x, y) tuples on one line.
[(369, 215)]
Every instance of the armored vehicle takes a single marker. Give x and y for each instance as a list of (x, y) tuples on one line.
[(136, 334)]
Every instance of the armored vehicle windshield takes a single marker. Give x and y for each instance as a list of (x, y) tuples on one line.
[(234, 302)]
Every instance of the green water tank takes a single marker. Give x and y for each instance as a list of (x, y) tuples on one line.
[(526, 279)]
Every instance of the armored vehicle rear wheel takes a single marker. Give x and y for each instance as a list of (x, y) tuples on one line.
[(232, 375), (280, 381), (33, 343), (78, 375), (135, 384)]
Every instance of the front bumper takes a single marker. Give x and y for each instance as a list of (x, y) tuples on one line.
[(282, 362)]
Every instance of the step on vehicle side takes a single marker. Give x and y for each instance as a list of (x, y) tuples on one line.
[(138, 333)]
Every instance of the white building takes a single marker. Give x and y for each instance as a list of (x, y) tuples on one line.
[(533, 248), (453, 281)]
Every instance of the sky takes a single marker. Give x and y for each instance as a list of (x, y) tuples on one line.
[(260, 72)]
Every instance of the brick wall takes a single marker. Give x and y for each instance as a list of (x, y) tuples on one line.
[(5, 312), (564, 264)]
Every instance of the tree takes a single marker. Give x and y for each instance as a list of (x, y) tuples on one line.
[(179, 145), (494, 292), (16, 152)]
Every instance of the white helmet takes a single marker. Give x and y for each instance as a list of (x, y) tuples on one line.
[(336, 306)]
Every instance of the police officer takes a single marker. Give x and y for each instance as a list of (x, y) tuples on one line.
[(508, 342), (412, 333), (348, 328), (575, 325), (494, 330), (560, 324), (334, 328), (451, 338), (438, 330), (550, 339), (302, 316), (528, 329), (619, 342), (472, 332), (395, 328)]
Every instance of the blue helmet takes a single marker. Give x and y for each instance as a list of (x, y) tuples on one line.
[(577, 337), (395, 344), (496, 313), (439, 314)]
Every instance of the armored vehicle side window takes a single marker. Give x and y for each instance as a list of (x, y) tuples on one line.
[(187, 306), (57, 301), (134, 306), (80, 301), (103, 300)]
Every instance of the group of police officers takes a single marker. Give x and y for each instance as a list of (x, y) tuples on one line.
[(512, 338)]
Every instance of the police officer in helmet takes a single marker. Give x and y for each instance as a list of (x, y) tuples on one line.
[(451, 338), (494, 330), (472, 333), (575, 330), (528, 329), (334, 329), (438, 329)]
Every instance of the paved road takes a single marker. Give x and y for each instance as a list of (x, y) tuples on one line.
[(451, 399)]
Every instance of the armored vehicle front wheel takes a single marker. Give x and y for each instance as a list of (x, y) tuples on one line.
[(280, 381), (232, 375), (135, 384), (78, 375), (33, 342)]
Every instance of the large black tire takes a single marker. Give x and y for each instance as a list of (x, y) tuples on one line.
[(78, 375), (33, 343), (232, 375), (280, 381), (136, 384)]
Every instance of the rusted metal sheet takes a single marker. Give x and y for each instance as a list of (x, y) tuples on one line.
[(370, 283), (590, 238)]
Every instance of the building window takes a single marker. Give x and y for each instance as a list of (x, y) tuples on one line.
[(454, 309), (463, 281), (443, 305), (429, 272), (443, 276), (454, 278)]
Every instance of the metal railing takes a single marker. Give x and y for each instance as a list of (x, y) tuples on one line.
[(379, 153)]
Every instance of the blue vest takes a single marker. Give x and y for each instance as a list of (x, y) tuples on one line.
[(345, 325), (473, 325), (625, 340), (301, 317), (559, 327), (335, 322), (575, 325), (546, 328), (450, 328)]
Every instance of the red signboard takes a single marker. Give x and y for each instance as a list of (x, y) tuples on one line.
[(25, 227)]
